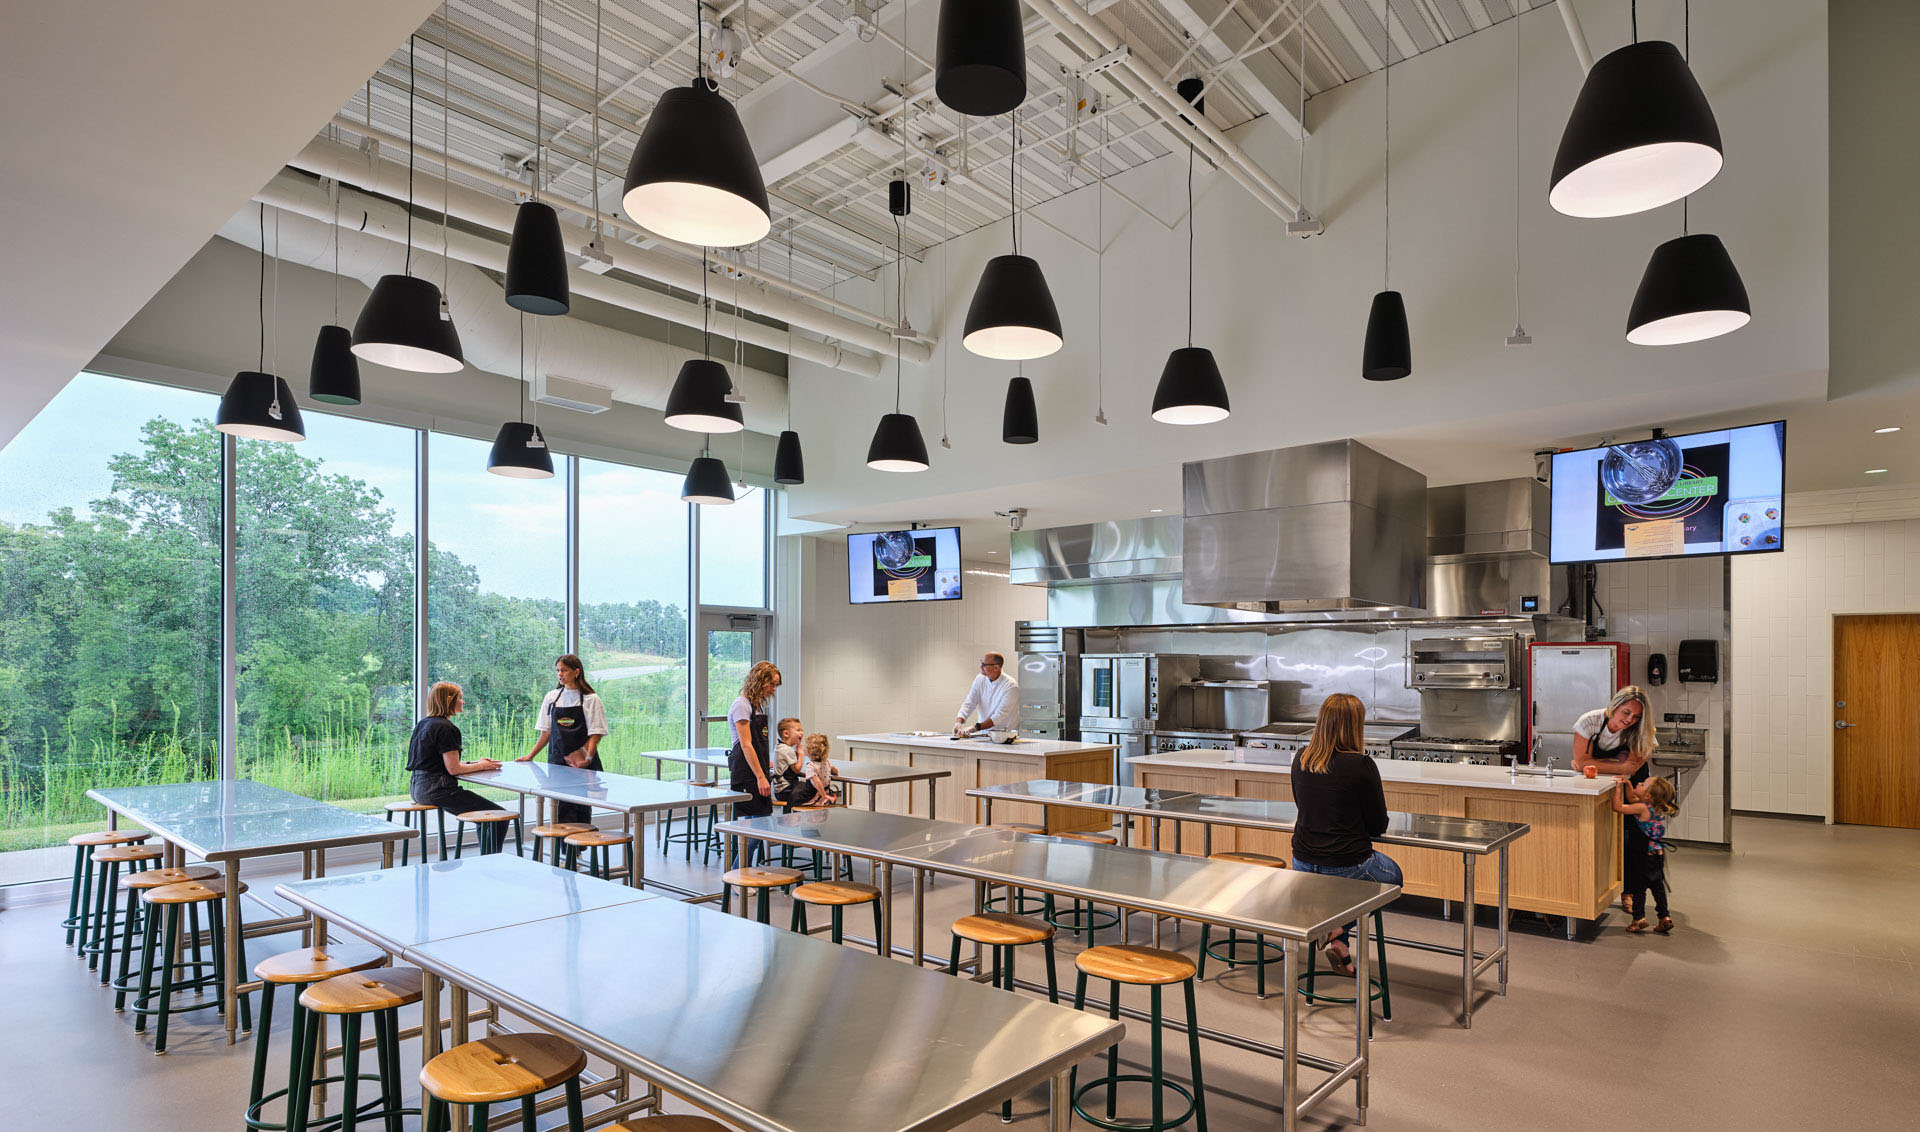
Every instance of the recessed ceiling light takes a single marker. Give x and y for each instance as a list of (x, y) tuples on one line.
[(1876, 471), (996, 552), (1889, 428), (1155, 510)]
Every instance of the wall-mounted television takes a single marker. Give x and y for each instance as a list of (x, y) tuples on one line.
[(1715, 492), (914, 565)]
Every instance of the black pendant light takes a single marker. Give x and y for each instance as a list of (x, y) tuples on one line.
[(335, 374), (1641, 134), (897, 445), (400, 325), (707, 482), (258, 405), (536, 256), (1387, 353), (693, 177), (519, 451), (698, 401), (1691, 291), (789, 467), (1020, 419), (1191, 390), (1012, 316), (980, 59)]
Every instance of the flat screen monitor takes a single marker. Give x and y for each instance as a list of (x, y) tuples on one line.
[(888, 566), (1713, 492)]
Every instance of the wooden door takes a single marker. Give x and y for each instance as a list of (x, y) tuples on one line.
[(1876, 755)]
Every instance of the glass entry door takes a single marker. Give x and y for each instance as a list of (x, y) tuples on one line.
[(730, 644)]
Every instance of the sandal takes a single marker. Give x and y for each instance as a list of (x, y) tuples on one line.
[(1341, 962), (1666, 925), (1637, 927)]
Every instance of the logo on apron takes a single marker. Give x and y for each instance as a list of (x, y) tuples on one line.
[(566, 721)]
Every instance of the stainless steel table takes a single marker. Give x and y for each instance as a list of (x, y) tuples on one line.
[(870, 775), (226, 821), (1469, 838), (634, 797), (767, 1029), (1293, 907), (712, 758)]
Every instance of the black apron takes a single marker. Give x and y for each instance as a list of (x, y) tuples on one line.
[(1633, 838), (567, 733), (740, 776)]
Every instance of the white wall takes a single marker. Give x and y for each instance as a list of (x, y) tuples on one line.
[(1783, 610), (891, 667), (1653, 606)]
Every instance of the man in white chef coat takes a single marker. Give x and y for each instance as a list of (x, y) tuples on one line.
[(994, 696)]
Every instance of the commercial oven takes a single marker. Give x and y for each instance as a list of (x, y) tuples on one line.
[(1566, 680)]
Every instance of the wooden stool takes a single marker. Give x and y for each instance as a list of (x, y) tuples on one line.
[(694, 834), (133, 885), (1002, 933), (1264, 950), (482, 818), (837, 895), (765, 878), (1153, 968), (1378, 988), (598, 845), (79, 899), (380, 992), (169, 900), (507, 1067), (407, 810), (302, 967), (1082, 918), (108, 859), (554, 831), (667, 1122), (1016, 901)]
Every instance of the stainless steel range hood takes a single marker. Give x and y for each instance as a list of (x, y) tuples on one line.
[(1318, 527), (1487, 549)]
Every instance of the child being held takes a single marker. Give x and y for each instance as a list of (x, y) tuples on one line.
[(1651, 803), (816, 781)]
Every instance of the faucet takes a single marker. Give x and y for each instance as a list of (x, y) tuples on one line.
[(1551, 759)]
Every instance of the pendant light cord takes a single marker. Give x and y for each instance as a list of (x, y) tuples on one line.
[(789, 333), (1517, 56), (262, 366), (523, 367), (594, 165), (446, 145), (1300, 108), (1634, 9), (336, 248), (706, 328), (946, 210), (1100, 279), (539, 43), (407, 267), (1189, 240), (1386, 166), (899, 305), (699, 43), (1013, 180), (1686, 56)]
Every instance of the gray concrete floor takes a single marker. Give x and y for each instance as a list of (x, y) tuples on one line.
[(1787, 997)]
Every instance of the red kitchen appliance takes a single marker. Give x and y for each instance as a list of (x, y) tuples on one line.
[(1566, 680)]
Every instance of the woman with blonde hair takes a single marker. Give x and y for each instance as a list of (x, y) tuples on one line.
[(747, 767), (433, 755), (1342, 808), (1618, 739)]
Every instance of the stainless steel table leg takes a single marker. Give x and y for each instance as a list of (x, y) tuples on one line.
[(235, 941), (1206, 839), (919, 917), (1153, 824), (1362, 1016), (873, 797), (1503, 920), (1059, 1103), (1290, 1034), (931, 795), (886, 909), (386, 854), (1466, 945), (636, 826), (986, 812)]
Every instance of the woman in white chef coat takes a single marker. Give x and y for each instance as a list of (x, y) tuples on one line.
[(572, 722)]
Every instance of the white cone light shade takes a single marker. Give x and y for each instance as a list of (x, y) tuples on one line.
[(698, 401), (897, 445), (693, 177), (259, 406), (521, 453), (1641, 135), (400, 326), (1012, 316), (1690, 292), (707, 483)]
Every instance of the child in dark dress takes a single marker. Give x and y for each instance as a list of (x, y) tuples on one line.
[(1649, 804)]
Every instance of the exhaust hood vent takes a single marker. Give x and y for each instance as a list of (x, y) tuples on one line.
[(1487, 544), (1094, 553), (1318, 527)]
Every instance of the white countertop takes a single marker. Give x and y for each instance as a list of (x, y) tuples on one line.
[(1023, 746), (1395, 770)]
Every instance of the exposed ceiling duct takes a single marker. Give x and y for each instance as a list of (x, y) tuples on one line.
[(639, 370)]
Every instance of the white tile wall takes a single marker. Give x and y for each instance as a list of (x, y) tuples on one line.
[(1783, 610), (1653, 606), (892, 667)]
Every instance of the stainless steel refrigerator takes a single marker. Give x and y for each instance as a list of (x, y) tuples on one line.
[(1566, 680)]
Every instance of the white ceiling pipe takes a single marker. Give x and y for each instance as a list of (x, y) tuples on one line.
[(1581, 50), (640, 371), (1138, 80), (607, 219), (387, 220)]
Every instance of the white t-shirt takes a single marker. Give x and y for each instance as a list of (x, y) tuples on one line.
[(596, 713), (1593, 725), (740, 712), (998, 700)]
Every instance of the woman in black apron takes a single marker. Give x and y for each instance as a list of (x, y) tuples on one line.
[(433, 755), (747, 760), (572, 720), (1618, 739)]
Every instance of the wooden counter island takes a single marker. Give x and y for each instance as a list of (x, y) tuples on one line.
[(980, 762), (1569, 865)]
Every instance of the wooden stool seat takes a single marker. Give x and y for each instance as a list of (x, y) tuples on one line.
[(1135, 966), (761, 876), (667, 1122), (159, 878), (109, 837), (362, 992), (999, 929), (189, 892), (482, 817), (1091, 838), (502, 1068), (1251, 859), (410, 807), (562, 829), (593, 838), (314, 964), (111, 854), (706, 783), (832, 892)]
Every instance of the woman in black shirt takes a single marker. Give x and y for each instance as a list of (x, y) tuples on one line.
[(433, 755), (1342, 809)]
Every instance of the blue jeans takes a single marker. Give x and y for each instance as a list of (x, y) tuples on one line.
[(1379, 868)]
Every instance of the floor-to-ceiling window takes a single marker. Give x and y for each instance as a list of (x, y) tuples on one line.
[(323, 585), (633, 608), (496, 591), (109, 607)]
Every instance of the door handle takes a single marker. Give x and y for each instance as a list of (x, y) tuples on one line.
[(1841, 725)]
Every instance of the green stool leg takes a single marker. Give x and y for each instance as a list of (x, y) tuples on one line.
[(122, 984), (799, 921), (258, 1084), (1159, 1104), (350, 1073), (437, 1116), (765, 906), (528, 1116), (442, 815), (576, 1115), (86, 900), (103, 946), (1380, 953), (1193, 1051), (147, 940), (166, 978), (73, 893), (879, 948), (479, 1116)]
